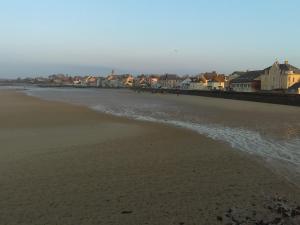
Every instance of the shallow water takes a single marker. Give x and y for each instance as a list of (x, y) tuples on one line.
[(269, 131)]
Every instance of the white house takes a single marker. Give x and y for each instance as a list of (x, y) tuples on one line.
[(216, 83), (198, 83), (185, 84)]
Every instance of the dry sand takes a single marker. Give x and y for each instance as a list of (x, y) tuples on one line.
[(63, 164)]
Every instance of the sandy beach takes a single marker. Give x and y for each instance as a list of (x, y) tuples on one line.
[(66, 164)]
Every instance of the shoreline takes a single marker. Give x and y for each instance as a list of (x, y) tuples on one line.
[(113, 165), (225, 122), (276, 98)]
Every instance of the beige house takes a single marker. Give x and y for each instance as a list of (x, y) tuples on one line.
[(279, 76)]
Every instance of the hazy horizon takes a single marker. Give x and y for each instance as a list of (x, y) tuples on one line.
[(186, 37)]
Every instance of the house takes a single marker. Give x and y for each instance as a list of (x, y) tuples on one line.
[(209, 75), (127, 80), (247, 82), (90, 81), (141, 81), (153, 81), (113, 81), (198, 83), (236, 74), (78, 80), (213, 80), (232, 76), (100, 82), (216, 83), (295, 88), (60, 79), (279, 76), (169, 81), (185, 84)]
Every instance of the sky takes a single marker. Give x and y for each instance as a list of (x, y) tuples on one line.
[(39, 38)]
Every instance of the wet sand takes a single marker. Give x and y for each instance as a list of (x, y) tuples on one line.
[(64, 164), (272, 120)]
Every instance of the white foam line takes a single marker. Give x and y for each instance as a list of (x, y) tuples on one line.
[(242, 139)]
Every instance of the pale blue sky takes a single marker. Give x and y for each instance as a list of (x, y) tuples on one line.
[(149, 36)]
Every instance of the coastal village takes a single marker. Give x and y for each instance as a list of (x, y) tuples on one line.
[(279, 78)]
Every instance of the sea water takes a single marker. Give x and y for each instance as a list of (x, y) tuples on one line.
[(271, 132)]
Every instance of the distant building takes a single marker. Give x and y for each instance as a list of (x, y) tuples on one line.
[(247, 82), (169, 81), (141, 81), (78, 80), (232, 76), (60, 79), (113, 81), (90, 81), (127, 80), (236, 74), (153, 81), (216, 83), (100, 81), (279, 76), (198, 83), (185, 84)]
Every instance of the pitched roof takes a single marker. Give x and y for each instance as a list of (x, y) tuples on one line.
[(209, 76), (286, 67), (218, 78), (169, 77), (238, 73), (198, 79), (248, 76)]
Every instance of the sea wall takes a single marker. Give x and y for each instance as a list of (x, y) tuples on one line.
[(267, 97)]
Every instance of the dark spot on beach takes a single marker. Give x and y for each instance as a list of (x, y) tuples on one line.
[(126, 212)]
